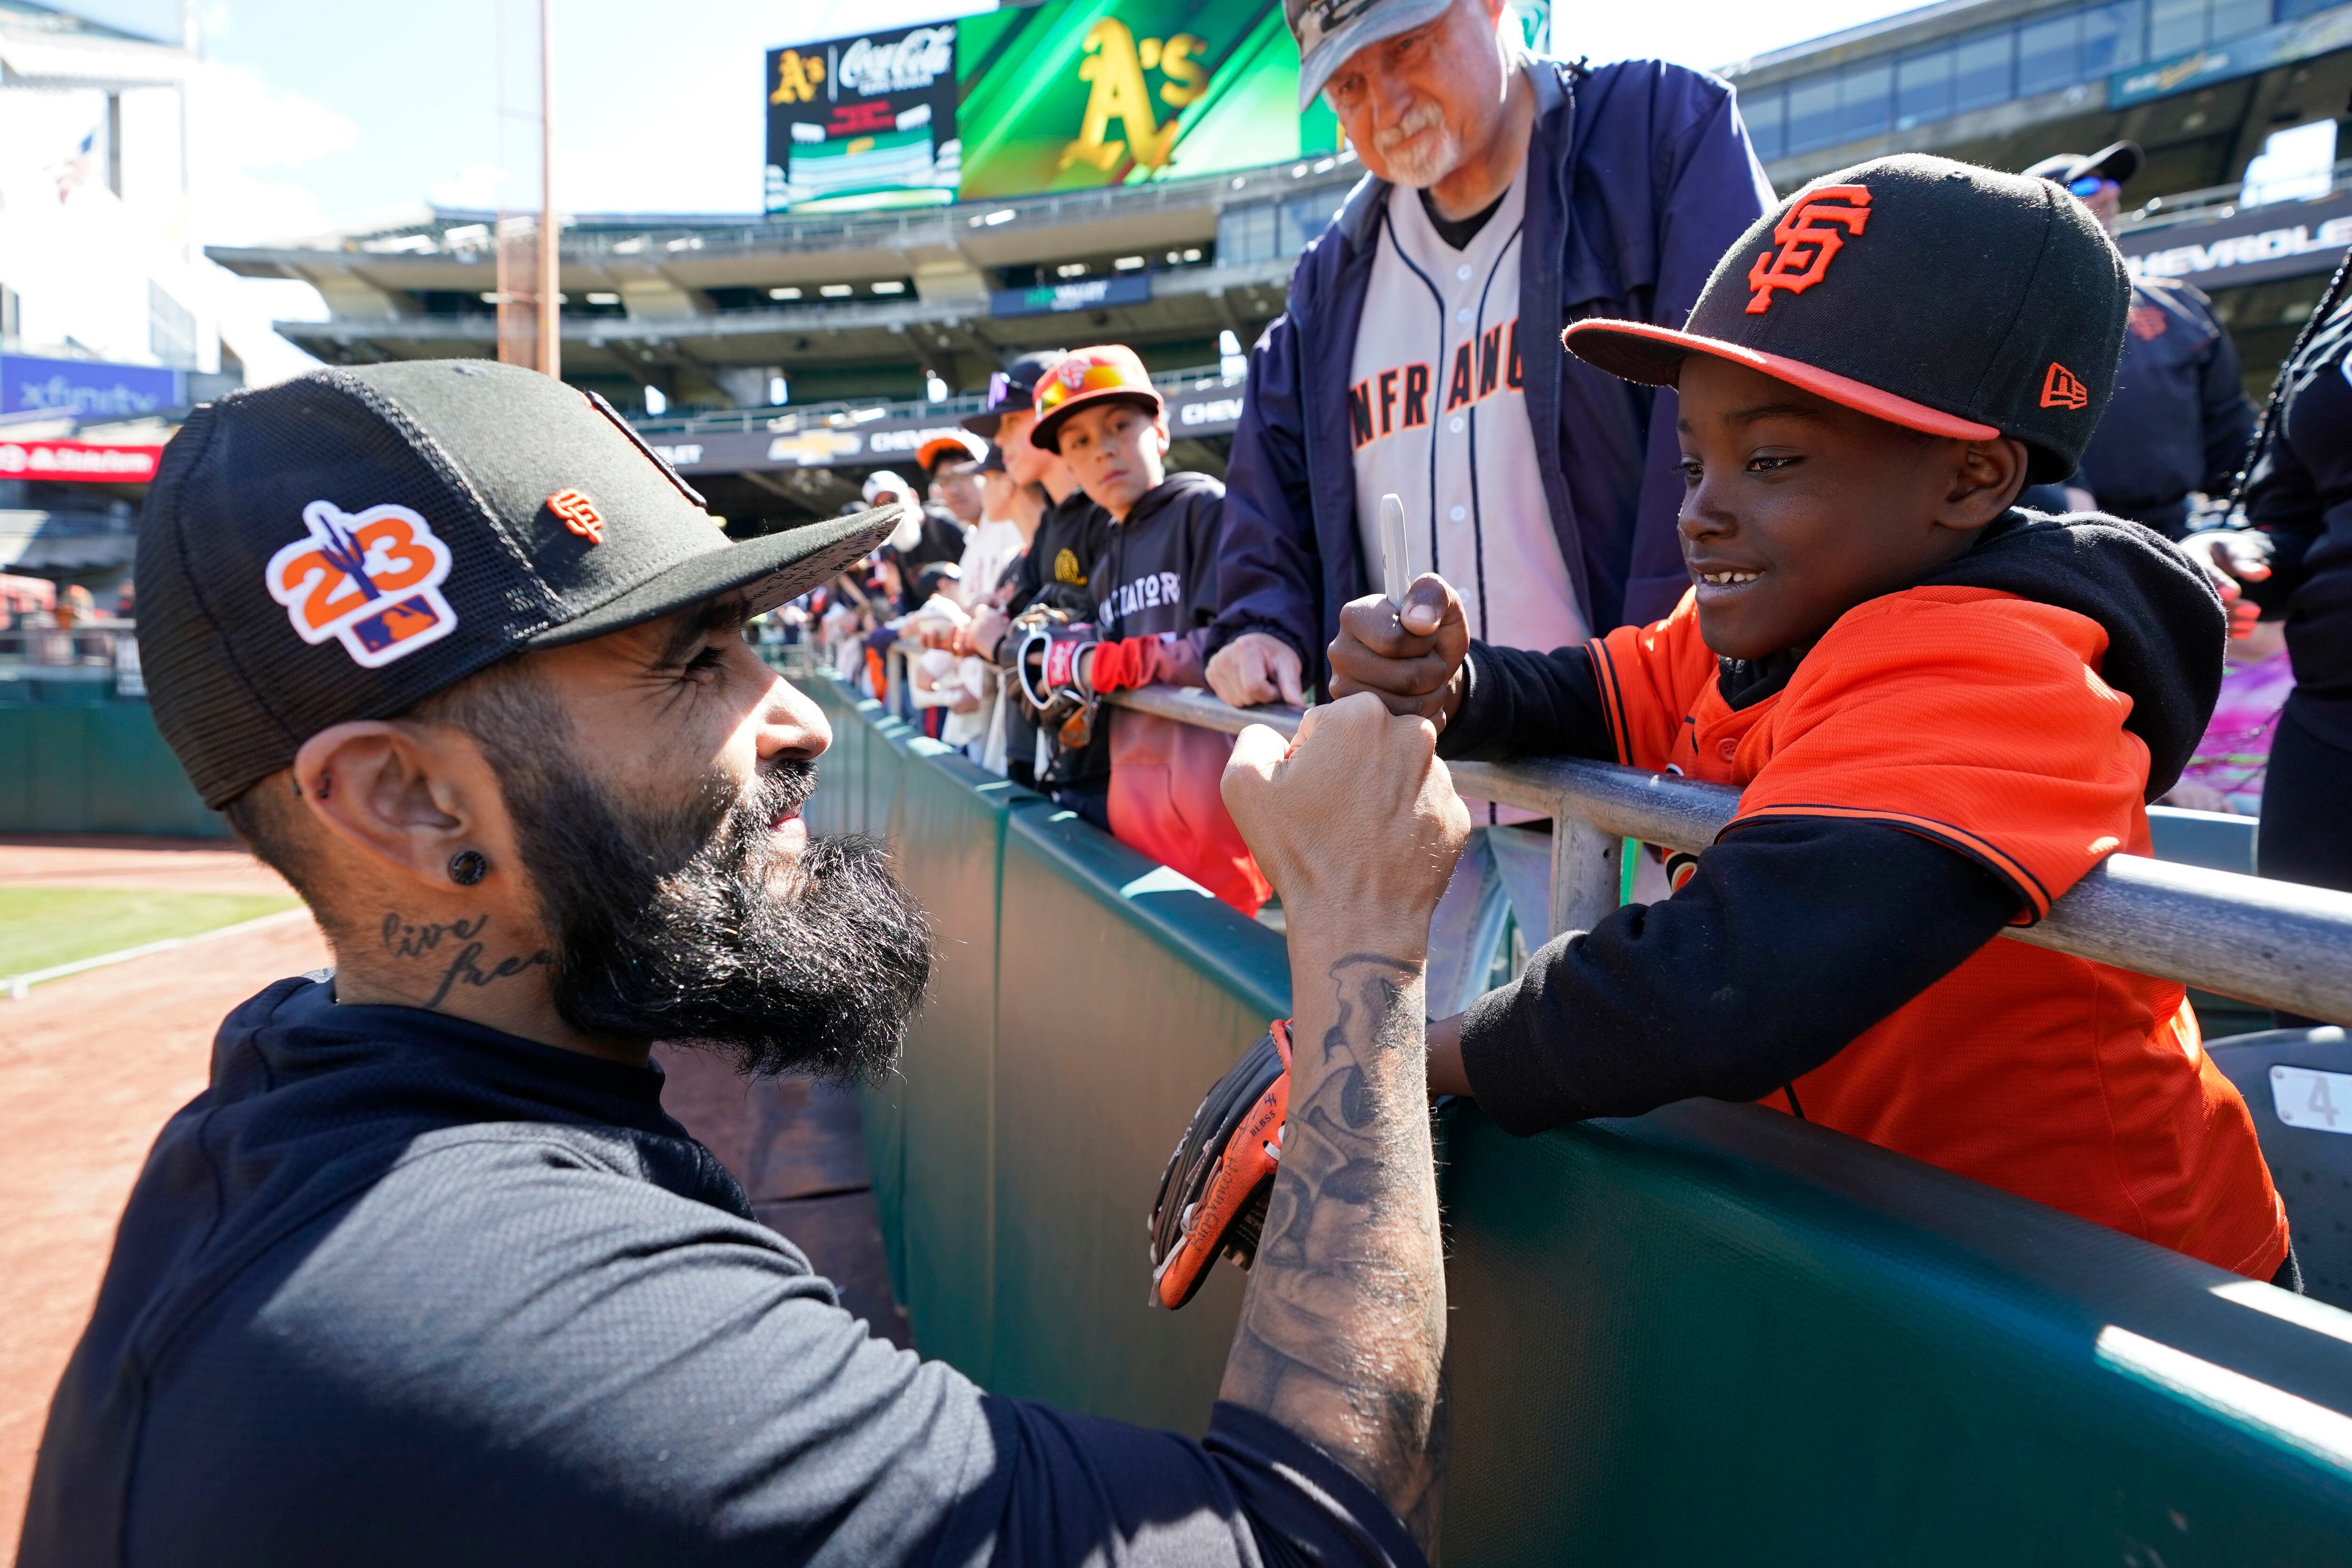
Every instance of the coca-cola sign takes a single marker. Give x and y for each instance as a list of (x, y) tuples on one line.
[(911, 63), (865, 121)]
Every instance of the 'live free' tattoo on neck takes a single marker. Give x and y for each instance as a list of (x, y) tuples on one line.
[(404, 940)]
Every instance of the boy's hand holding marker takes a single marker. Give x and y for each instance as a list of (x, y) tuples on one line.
[(1407, 645)]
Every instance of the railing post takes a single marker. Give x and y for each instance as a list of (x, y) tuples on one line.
[(1584, 872)]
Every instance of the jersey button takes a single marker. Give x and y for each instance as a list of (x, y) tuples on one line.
[(1459, 515), (1454, 424), (1462, 272), (1727, 749), (1462, 315)]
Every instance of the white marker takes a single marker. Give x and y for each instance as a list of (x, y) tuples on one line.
[(1396, 552)]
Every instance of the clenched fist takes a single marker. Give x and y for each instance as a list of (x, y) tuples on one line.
[(1411, 660), (1355, 823)]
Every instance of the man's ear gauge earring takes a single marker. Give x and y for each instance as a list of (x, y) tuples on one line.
[(468, 866)]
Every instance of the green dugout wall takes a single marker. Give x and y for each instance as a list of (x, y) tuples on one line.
[(1711, 1334), (93, 765)]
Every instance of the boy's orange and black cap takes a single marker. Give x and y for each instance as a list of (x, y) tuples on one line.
[(1109, 372), (1934, 295)]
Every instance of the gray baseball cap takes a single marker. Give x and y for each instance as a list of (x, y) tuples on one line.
[(347, 544), (1328, 31)]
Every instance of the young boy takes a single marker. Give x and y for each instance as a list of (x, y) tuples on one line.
[(1940, 713), (1154, 586)]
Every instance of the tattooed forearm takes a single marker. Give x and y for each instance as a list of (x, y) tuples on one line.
[(404, 940), (1343, 1327)]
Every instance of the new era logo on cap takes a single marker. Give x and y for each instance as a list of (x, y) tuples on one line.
[(2061, 388)]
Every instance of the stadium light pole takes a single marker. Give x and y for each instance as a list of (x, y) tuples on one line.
[(550, 235)]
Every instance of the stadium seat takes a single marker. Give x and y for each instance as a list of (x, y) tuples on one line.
[(2310, 1155)]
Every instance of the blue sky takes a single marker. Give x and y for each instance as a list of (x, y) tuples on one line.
[(335, 111)]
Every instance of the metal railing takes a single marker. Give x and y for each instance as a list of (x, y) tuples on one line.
[(2278, 944)]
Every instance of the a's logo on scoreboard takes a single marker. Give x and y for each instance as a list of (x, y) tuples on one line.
[(371, 578), (1113, 62)]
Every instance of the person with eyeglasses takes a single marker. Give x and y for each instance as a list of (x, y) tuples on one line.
[(2180, 420)]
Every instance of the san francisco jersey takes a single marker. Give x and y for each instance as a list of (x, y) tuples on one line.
[(1437, 412)]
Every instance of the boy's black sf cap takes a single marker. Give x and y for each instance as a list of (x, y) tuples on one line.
[(345, 544), (1934, 295)]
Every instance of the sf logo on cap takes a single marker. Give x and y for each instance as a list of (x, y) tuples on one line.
[(372, 578), (579, 514), (1814, 230)]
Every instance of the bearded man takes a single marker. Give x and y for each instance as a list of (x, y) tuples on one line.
[(1505, 196), (427, 1276)]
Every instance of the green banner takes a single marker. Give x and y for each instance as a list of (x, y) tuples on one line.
[(1077, 94)]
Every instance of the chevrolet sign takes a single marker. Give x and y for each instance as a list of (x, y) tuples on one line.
[(2254, 245)]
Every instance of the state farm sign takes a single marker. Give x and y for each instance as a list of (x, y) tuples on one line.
[(84, 460)]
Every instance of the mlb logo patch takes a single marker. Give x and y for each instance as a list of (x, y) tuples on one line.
[(410, 618), (370, 579)]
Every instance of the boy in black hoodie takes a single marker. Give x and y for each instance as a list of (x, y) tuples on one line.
[(1154, 586), (1940, 711)]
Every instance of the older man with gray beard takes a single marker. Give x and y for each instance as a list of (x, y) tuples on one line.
[(1506, 196)]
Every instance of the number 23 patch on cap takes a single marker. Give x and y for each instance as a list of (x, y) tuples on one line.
[(372, 578)]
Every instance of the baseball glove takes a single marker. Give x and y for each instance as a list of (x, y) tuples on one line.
[(1047, 671), (1213, 1196)]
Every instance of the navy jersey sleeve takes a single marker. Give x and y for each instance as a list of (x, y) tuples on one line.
[(1268, 567), (1792, 937), (1517, 702), (1203, 538), (502, 1352)]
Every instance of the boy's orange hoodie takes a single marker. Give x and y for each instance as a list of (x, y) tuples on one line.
[(1945, 760)]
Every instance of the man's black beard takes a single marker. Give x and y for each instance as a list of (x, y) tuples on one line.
[(666, 928)]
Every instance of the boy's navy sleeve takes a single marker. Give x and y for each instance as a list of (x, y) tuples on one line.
[(1268, 566), (1518, 702), (1793, 937)]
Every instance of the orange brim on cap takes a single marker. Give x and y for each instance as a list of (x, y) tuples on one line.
[(1638, 352)]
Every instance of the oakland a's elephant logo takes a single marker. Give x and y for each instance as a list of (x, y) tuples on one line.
[(371, 578)]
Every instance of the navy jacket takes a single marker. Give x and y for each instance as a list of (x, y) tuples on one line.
[(2179, 419), (1643, 178)]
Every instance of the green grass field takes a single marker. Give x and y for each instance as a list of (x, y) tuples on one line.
[(42, 927)]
